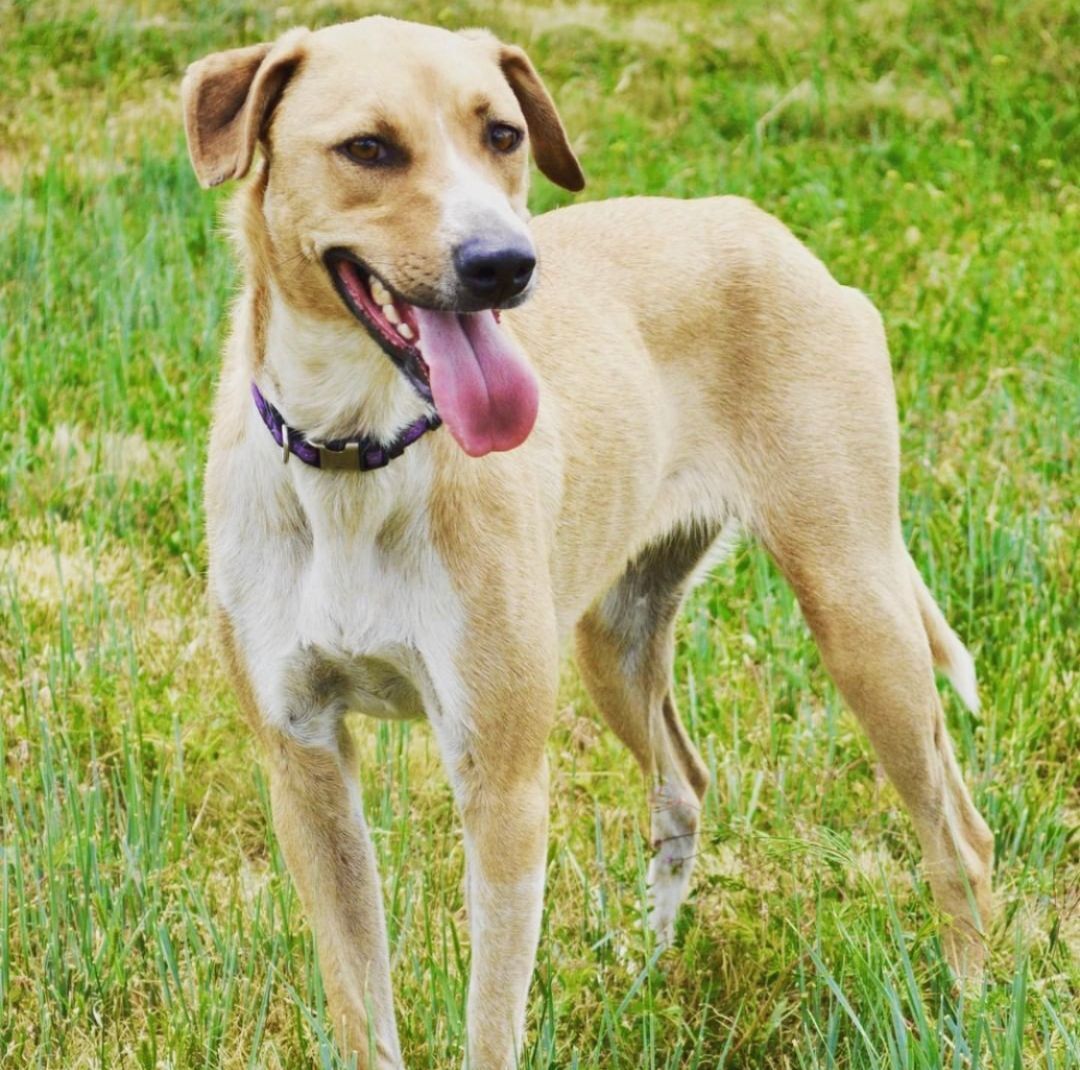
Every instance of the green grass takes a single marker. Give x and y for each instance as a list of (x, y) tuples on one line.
[(929, 154)]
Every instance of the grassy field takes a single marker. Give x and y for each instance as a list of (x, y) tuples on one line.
[(929, 154)]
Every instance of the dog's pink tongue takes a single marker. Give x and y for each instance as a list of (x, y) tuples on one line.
[(484, 390)]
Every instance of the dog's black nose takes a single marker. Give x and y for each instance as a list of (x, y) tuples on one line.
[(494, 273)]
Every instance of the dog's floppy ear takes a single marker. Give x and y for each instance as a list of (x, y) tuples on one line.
[(550, 145), (227, 99)]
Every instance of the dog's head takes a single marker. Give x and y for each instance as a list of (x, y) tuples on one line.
[(396, 178)]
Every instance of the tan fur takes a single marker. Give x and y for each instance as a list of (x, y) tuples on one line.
[(700, 370)]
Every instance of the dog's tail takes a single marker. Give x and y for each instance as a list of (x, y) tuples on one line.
[(950, 655)]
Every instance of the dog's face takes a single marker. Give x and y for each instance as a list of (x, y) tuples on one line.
[(397, 160)]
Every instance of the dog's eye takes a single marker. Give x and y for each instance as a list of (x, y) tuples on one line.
[(365, 150), (503, 137)]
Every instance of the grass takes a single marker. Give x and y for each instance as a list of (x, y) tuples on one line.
[(928, 153)]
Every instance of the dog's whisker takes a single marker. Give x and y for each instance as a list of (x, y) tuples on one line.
[(279, 264)]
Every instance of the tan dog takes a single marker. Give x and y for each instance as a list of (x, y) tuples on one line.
[(682, 371)]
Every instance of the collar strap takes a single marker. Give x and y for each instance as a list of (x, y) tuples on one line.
[(360, 454)]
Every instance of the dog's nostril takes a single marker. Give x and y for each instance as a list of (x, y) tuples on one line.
[(524, 271), (494, 273)]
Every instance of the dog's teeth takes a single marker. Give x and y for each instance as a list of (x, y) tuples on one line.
[(380, 292), (391, 314), (405, 331)]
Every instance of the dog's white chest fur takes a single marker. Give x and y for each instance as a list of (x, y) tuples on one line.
[(353, 608)]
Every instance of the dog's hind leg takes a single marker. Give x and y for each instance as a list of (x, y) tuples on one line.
[(625, 646), (827, 510), (865, 613)]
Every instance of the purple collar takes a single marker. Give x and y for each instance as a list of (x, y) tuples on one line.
[(360, 454)]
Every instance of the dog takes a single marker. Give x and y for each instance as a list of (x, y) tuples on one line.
[(625, 387)]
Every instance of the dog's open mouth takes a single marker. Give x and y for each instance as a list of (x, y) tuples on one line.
[(464, 362), (388, 319)]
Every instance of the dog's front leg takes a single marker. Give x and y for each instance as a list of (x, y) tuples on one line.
[(500, 776), (505, 851), (320, 826), (319, 821)]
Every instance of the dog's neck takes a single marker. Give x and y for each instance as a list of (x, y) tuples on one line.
[(330, 380)]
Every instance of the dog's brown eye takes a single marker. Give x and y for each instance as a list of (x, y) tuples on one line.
[(503, 138), (365, 150)]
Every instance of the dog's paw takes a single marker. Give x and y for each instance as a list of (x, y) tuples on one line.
[(668, 885), (674, 832)]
